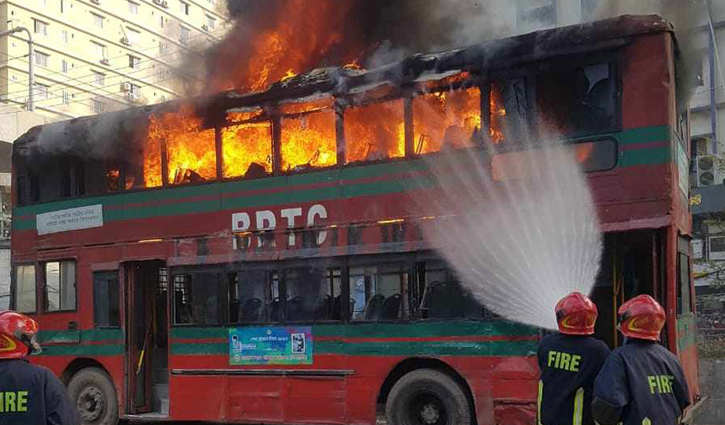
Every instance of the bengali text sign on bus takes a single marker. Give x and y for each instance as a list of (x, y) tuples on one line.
[(70, 219), (270, 345)]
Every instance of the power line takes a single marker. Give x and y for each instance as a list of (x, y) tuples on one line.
[(154, 58)]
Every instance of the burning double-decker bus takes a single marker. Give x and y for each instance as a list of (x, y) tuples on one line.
[(253, 256)]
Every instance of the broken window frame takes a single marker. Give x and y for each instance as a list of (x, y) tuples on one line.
[(362, 101), (439, 86), (262, 117), (278, 127)]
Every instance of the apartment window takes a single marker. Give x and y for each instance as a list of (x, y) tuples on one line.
[(97, 20), (25, 289), (133, 36), (41, 58), (210, 23), (161, 21), (184, 7), (64, 36), (40, 27), (99, 107), (60, 286), (134, 62), (99, 49), (184, 34), (99, 78), (64, 66), (133, 7), (66, 98), (163, 48), (41, 91), (134, 92)]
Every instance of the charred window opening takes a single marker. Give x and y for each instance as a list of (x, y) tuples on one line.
[(379, 292), (308, 140), (254, 297), (375, 131), (577, 100), (247, 145), (443, 296), (446, 120), (197, 298), (189, 148), (311, 293), (510, 110)]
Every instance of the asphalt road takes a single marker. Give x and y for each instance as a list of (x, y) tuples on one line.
[(712, 376)]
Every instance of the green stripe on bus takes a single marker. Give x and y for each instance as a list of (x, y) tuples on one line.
[(644, 135), (83, 350), (128, 211), (384, 330), (76, 336), (651, 156), (426, 348)]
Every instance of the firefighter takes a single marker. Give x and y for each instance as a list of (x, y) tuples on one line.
[(642, 383), (29, 394), (569, 361)]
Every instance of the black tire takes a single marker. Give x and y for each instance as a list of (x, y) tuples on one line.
[(427, 397), (92, 392)]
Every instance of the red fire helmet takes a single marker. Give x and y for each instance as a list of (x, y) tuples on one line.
[(641, 317), (576, 314), (17, 335)]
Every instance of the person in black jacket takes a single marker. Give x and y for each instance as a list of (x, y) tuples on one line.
[(29, 394), (569, 361), (642, 383)]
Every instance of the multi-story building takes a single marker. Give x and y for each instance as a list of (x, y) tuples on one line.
[(94, 56)]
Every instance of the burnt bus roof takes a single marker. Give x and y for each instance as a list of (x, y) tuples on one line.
[(341, 81)]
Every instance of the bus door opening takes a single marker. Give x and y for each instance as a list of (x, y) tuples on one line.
[(631, 265), (148, 376)]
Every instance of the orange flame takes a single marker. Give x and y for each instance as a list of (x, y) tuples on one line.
[(446, 119), (375, 131), (497, 114), (309, 140), (190, 149)]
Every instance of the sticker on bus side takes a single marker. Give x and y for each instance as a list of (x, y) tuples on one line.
[(270, 345), (70, 219)]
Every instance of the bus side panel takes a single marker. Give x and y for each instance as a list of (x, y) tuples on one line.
[(646, 82)]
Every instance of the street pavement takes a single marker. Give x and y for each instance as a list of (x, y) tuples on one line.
[(712, 378)]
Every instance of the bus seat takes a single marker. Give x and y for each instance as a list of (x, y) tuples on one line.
[(183, 312), (391, 306), (251, 311), (274, 310), (445, 301), (374, 307), (337, 308), (352, 308), (322, 309)]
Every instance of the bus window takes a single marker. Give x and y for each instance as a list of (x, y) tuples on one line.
[(684, 303), (309, 141), (197, 298), (375, 131), (254, 297), (60, 286), (106, 312), (311, 293), (247, 150), (509, 110), (25, 292), (444, 297), (577, 100), (379, 292), (446, 120)]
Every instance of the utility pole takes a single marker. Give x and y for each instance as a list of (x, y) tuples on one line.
[(31, 70)]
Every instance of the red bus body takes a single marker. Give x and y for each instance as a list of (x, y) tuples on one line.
[(355, 364)]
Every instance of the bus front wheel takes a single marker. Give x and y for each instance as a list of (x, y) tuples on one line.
[(93, 394), (427, 397)]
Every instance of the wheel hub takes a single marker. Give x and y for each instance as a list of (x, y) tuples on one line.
[(90, 404), (430, 413)]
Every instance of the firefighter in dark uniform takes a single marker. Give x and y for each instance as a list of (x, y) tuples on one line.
[(29, 394), (642, 383), (569, 362)]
